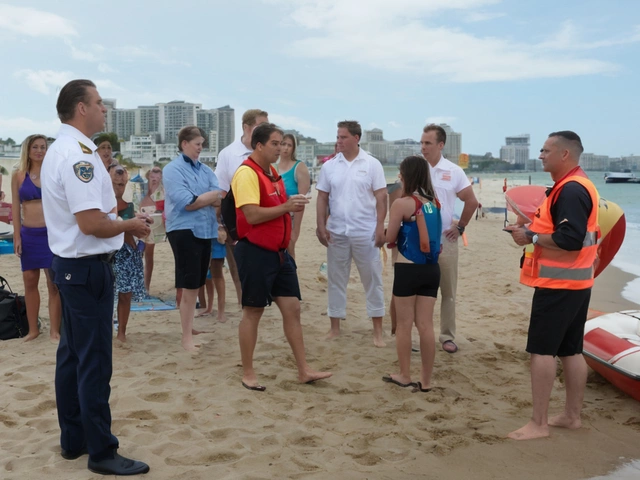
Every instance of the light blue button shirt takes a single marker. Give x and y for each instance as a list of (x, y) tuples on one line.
[(183, 180)]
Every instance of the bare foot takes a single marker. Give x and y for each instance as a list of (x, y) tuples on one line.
[(332, 334), (378, 342), (529, 432), (197, 332), (54, 337), (189, 346), (563, 421), (310, 376), (122, 337), (31, 336), (222, 318), (206, 313)]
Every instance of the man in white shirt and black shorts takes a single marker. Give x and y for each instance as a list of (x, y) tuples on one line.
[(229, 159)]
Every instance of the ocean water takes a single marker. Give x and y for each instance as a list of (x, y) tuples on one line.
[(627, 196)]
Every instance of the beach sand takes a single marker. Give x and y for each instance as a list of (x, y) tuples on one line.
[(190, 418)]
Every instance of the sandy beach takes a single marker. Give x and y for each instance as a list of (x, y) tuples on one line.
[(189, 417)]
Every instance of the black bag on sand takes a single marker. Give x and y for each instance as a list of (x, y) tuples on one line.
[(13, 313)]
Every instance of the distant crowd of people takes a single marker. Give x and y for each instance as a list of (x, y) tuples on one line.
[(72, 221)]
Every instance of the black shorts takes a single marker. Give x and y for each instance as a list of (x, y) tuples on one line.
[(265, 275), (191, 255), (557, 321), (413, 279)]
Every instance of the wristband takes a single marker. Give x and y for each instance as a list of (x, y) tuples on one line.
[(460, 229)]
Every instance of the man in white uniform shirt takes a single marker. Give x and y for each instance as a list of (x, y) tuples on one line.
[(353, 188), (450, 182), (229, 159), (80, 213)]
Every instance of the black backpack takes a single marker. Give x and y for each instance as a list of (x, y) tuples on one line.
[(13, 313), (228, 214)]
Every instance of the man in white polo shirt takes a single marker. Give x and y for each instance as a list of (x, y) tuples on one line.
[(450, 182), (229, 159), (353, 188)]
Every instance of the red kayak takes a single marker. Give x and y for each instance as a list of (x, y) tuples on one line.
[(612, 348)]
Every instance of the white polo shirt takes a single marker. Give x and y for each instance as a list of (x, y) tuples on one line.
[(229, 159), (350, 186), (74, 180), (448, 180)]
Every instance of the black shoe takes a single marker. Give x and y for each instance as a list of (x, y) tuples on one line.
[(69, 455), (118, 465)]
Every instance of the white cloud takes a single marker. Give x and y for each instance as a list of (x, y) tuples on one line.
[(440, 119), (394, 124), (132, 53), (570, 37), (289, 121), (104, 68), (34, 23), (403, 35), (474, 17), (42, 80), (105, 84), (21, 126)]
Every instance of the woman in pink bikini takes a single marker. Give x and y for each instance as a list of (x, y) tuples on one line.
[(30, 241)]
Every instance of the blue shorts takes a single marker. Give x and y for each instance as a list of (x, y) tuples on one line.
[(218, 250)]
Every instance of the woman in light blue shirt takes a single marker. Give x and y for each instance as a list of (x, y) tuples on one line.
[(191, 197)]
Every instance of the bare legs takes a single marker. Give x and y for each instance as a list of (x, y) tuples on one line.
[(124, 309), (187, 311), (543, 374), (55, 309), (148, 265), (418, 310), (218, 282), (233, 270), (32, 300), (248, 335)]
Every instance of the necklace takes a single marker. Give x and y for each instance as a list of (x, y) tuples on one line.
[(33, 176)]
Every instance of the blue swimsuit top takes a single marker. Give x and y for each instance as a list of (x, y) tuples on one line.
[(28, 190), (289, 179)]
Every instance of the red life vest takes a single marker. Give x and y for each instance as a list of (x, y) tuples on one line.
[(562, 269), (273, 235)]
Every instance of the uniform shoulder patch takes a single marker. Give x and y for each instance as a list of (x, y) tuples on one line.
[(84, 171), (85, 149)]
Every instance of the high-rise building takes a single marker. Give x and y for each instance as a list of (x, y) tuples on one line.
[(208, 121), (453, 146), (110, 105), (374, 135), (175, 115), (591, 161), (147, 120), (124, 122), (226, 126), (516, 150), (213, 142)]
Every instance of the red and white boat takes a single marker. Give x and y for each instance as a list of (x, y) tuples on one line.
[(612, 348)]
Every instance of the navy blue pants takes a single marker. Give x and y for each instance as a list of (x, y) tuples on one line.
[(84, 358)]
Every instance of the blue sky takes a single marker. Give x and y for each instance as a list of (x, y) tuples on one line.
[(489, 68)]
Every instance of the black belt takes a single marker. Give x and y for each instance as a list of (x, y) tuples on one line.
[(103, 257)]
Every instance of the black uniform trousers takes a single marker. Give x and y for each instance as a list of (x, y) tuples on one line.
[(84, 357)]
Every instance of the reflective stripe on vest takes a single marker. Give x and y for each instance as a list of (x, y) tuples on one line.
[(572, 270)]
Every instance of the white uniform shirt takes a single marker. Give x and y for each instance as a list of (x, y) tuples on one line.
[(350, 186), (74, 180), (229, 159), (448, 180)]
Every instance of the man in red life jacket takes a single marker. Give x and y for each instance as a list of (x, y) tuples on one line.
[(564, 234), (266, 270)]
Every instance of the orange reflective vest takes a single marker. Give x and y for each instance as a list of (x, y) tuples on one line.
[(273, 235), (562, 269)]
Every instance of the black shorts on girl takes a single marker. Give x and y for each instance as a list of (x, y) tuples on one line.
[(413, 279)]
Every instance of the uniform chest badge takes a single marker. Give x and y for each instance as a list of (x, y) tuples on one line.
[(84, 171), (67, 276)]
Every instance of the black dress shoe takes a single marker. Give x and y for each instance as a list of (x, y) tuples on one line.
[(118, 465), (69, 455)]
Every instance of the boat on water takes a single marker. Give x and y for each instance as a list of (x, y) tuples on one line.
[(621, 177), (612, 348)]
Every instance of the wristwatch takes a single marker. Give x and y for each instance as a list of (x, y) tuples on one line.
[(460, 229), (534, 239)]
